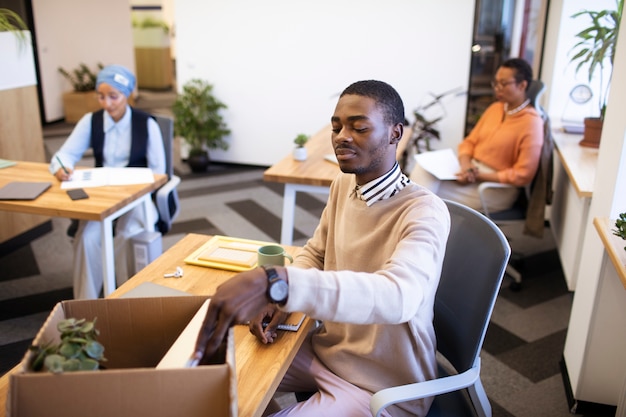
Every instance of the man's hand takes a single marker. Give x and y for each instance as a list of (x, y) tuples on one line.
[(238, 300), (265, 324)]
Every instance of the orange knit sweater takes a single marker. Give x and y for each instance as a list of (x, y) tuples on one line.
[(511, 146)]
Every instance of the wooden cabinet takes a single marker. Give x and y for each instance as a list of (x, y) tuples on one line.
[(153, 60), (21, 139)]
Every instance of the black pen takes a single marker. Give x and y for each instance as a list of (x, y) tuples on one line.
[(62, 166)]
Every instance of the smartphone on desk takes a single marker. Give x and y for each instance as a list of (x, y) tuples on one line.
[(77, 194)]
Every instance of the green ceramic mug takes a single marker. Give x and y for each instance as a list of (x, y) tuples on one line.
[(272, 255)]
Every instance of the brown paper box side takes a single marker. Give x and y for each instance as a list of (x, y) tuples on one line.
[(136, 333)]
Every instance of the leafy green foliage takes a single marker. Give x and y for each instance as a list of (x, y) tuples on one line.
[(197, 117), (596, 45), (12, 22), (150, 22), (82, 78), (301, 140), (620, 227), (78, 350)]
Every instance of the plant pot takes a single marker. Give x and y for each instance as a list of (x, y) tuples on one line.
[(592, 132), (198, 162), (299, 153)]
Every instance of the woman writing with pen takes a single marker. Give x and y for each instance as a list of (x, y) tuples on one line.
[(119, 136)]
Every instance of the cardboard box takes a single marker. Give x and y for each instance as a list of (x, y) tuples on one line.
[(136, 333)]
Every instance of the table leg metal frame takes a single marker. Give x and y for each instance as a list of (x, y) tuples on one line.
[(289, 207), (108, 249)]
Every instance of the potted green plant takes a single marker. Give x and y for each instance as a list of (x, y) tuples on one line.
[(299, 152), (78, 350), (594, 51), (198, 121), (12, 22), (82, 99), (620, 227)]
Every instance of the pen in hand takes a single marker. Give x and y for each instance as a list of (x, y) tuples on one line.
[(63, 167)]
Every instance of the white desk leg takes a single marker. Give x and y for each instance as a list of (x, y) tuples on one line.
[(289, 208), (148, 213), (108, 248), (108, 255)]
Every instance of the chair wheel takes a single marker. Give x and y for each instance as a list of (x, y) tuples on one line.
[(515, 286)]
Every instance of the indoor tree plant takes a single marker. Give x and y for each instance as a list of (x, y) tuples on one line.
[(595, 50), (198, 121)]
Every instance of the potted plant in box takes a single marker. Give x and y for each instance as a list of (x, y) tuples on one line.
[(594, 50), (299, 152), (198, 121)]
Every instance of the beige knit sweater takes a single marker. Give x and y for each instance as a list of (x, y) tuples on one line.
[(371, 273)]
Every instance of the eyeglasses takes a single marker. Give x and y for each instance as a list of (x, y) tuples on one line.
[(502, 84)]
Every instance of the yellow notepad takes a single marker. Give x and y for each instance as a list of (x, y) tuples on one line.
[(228, 253)]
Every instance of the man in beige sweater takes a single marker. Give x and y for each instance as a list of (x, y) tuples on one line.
[(369, 273)]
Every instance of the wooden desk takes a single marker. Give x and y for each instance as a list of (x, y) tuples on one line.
[(259, 367), (574, 177), (104, 204), (314, 175)]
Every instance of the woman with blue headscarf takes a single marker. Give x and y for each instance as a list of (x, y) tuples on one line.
[(119, 136)]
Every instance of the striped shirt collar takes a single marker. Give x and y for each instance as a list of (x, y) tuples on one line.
[(383, 187)]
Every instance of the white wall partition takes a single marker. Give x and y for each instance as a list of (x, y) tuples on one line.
[(280, 64)]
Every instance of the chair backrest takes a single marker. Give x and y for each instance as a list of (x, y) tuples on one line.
[(476, 257), (166, 124), (534, 92), (166, 197)]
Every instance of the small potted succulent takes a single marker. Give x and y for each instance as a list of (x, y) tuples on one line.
[(620, 227), (299, 152)]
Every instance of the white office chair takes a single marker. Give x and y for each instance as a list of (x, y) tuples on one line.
[(476, 257), (166, 197), (527, 209)]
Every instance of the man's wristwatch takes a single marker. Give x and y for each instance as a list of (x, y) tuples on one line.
[(277, 288)]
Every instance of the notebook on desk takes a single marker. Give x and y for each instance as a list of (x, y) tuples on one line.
[(18, 190)]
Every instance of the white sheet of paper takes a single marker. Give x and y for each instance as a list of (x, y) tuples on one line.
[(98, 177), (442, 163)]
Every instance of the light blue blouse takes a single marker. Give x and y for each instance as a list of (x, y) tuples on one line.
[(117, 142)]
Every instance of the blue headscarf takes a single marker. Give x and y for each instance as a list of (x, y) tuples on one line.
[(118, 77)]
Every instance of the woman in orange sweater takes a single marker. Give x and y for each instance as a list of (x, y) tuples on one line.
[(504, 146)]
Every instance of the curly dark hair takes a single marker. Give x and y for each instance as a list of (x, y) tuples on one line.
[(386, 97)]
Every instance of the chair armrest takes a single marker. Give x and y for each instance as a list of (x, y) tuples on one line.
[(482, 193), (162, 200), (389, 396)]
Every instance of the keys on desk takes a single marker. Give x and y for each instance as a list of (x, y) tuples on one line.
[(177, 274)]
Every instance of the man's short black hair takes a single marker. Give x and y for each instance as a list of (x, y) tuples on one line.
[(523, 70), (386, 97)]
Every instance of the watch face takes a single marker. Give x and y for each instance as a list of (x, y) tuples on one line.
[(279, 290)]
